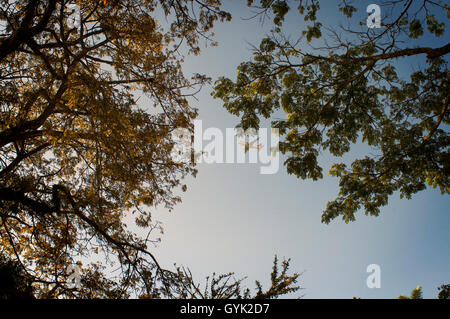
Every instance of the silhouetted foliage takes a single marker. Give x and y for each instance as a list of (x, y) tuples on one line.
[(444, 292), (14, 282)]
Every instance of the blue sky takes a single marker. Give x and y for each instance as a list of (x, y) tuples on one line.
[(234, 219)]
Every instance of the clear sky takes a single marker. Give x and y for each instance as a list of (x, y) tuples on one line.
[(234, 219)]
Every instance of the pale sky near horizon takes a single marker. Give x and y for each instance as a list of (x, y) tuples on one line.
[(234, 219)]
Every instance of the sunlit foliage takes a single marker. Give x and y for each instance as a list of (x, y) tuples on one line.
[(78, 151), (337, 86)]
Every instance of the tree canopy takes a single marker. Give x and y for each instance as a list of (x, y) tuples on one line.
[(89, 93), (444, 291), (338, 86)]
